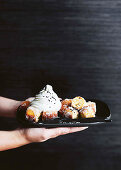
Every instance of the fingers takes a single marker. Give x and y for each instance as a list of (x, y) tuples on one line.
[(76, 129), (52, 133), (30, 99)]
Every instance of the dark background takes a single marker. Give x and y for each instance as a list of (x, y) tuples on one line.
[(74, 45)]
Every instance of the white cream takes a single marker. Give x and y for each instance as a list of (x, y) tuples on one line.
[(47, 100)]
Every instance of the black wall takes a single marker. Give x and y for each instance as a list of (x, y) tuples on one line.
[(76, 47)]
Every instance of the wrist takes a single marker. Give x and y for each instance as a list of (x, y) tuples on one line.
[(8, 107), (12, 139)]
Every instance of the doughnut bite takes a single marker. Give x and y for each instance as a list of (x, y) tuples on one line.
[(24, 105), (33, 113), (88, 111), (71, 113), (66, 102), (64, 105), (49, 115), (78, 102), (92, 105)]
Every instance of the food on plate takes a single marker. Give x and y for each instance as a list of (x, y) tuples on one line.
[(77, 108), (92, 105), (66, 102), (64, 105), (47, 105), (88, 111), (78, 102), (49, 115), (25, 104), (45, 102), (71, 113)]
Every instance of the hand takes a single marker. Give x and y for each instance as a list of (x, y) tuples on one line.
[(17, 138), (43, 134)]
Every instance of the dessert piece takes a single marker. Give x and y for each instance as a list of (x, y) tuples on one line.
[(66, 102), (33, 113), (88, 111), (24, 105), (68, 111), (45, 102), (78, 102), (64, 105), (92, 104), (77, 107), (49, 115), (71, 113)]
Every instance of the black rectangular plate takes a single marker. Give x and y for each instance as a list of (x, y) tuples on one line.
[(102, 116)]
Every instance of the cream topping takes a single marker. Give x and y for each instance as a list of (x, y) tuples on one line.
[(47, 100)]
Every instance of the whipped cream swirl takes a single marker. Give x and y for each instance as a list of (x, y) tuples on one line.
[(47, 100)]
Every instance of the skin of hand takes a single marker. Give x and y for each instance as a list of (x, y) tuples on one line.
[(43, 134), (19, 137)]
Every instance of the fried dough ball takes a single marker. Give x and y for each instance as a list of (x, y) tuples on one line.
[(88, 111), (78, 102), (92, 105), (66, 102), (71, 113), (33, 113), (24, 105), (64, 105), (49, 115)]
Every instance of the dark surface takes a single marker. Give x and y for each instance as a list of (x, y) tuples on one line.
[(102, 115), (76, 47)]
